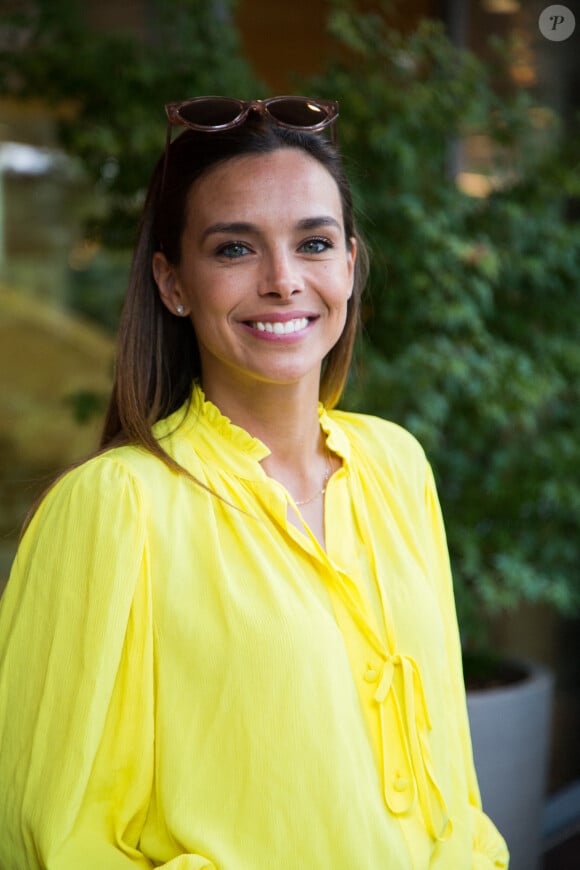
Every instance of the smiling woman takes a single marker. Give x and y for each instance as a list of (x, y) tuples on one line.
[(267, 292), (229, 639)]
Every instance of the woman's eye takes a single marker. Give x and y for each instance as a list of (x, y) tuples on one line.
[(233, 250), (316, 246)]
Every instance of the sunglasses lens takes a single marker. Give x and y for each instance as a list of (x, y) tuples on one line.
[(298, 112), (211, 111)]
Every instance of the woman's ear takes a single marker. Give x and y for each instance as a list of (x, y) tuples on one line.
[(168, 285)]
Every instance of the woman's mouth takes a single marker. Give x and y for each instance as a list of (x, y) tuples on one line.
[(278, 327)]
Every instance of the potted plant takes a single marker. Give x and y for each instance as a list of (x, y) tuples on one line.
[(471, 342)]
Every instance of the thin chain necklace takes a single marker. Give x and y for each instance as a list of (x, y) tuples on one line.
[(320, 491)]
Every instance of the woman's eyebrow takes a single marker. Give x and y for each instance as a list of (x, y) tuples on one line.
[(319, 221), (234, 227), (241, 227)]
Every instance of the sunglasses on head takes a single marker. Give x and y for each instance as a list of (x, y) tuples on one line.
[(212, 114)]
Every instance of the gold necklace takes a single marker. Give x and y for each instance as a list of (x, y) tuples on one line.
[(320, 491)]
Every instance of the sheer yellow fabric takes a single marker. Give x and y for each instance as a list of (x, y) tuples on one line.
[(188, 685)]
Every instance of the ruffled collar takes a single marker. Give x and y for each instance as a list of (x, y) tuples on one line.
[(217, 439)]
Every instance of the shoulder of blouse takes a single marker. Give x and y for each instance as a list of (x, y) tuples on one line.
[(115, 466), (379, 438), (103, 481)]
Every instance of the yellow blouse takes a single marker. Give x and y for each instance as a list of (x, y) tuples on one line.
[(191, 682)]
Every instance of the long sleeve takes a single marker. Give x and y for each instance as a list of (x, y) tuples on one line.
[(489, 848), (75, 680)]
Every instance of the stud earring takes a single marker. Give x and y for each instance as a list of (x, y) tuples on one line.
[(180, 310)]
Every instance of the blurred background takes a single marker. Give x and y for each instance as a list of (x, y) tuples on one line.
[(460, 130)]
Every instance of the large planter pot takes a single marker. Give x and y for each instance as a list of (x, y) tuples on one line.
[(510, 728)]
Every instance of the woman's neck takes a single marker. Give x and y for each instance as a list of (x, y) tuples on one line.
[(285, 418)]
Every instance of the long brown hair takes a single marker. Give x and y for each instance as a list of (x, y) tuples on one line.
[(158, 357)]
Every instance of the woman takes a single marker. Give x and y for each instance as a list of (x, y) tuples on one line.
[(229, 639)]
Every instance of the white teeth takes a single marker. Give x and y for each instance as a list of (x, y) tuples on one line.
[(281, 328)]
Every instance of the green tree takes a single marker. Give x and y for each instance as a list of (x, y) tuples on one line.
[(470, 335), (109, 89)]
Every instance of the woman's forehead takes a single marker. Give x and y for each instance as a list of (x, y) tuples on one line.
[(288, 178)]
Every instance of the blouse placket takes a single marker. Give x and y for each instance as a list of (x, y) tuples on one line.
[(408, 774), (397, 694)]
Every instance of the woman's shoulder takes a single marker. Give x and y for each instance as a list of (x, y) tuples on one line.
[(123, 473), (379, 436), (114, 464), (384, 453)]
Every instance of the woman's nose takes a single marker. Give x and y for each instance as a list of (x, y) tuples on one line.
[(281, 277)]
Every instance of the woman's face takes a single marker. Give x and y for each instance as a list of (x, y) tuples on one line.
[(265, 271)]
